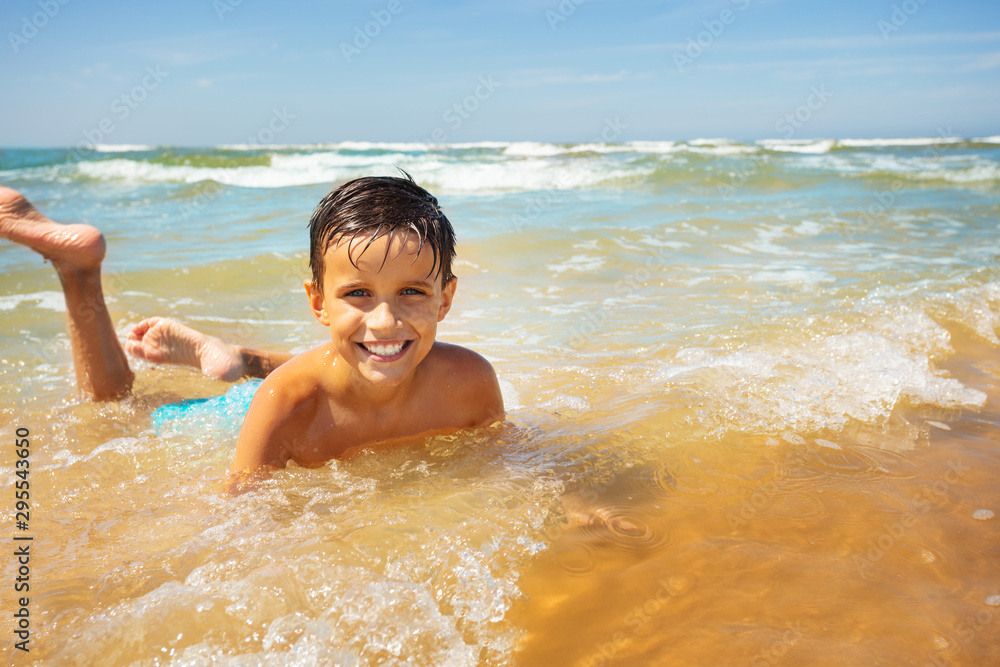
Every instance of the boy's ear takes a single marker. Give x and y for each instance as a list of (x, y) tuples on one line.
[(447, 296), (315, 296)]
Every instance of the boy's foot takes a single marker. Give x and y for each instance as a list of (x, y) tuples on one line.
[(67, 246), (164, 341), (582, 513)]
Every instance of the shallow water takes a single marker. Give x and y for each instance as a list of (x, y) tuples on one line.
[(751, 415)]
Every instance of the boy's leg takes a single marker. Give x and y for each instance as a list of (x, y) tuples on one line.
[(76, 253), (102, 370)]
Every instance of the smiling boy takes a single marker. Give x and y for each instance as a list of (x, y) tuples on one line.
[(381, 253)]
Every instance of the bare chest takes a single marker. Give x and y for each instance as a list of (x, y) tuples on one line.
[(335, 429)]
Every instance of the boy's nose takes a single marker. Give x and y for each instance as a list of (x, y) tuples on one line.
[(382, 317)]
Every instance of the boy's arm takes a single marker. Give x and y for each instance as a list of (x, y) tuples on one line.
[(492, 399), (269, 431), (260, 363), (483, 387)]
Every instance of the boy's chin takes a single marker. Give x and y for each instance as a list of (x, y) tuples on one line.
[(380, 379)]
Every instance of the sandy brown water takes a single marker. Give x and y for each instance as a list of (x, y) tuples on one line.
[(773, 549), (786, 552), (742, 430)]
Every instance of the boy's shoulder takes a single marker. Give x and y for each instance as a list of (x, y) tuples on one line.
[(457, 378), (457, 364), (466, 377), (277, 423), (298, 379)]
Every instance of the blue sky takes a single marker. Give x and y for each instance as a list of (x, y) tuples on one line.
[(206, 72)]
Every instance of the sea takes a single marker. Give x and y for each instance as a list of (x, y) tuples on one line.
[(751, 391)]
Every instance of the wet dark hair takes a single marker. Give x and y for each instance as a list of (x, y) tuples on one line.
[(380, 206)]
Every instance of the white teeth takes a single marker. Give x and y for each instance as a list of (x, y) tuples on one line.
[(383, 350)]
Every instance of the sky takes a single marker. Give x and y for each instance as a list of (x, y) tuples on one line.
[(210, 72)]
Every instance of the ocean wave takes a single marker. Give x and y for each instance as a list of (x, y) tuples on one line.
[(957, 169), (496, 167), (446, 175), (48, 299), (123, 148), (902, 141), (861, 374), (533, 149), (798, 145), (974, 174)]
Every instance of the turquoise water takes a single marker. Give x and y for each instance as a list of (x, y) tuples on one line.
[(677, 326)]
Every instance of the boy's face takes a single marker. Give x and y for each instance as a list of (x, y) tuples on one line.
[(382, 317)]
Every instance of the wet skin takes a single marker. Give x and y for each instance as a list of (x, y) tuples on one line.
[(382, 376)]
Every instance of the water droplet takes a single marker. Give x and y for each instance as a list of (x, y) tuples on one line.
[(983, 515)]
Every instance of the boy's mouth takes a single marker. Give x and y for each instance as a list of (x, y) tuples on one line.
[(385, 351)]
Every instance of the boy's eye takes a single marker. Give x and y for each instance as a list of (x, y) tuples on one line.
[(412, 290), (357, 292)]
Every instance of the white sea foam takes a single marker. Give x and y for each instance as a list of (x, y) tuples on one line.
[(655, 146), (725, 149), (49, 300), (122, 148), (902, 141), (798, 145), (960, 169), (861, 374), (809, 228), (577, 263), (977, 174), (538, 149), (977, 308), (533, 149), (710, 142), (799, 275), (441, 173)]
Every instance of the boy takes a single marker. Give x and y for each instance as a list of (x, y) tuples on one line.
[(380, 255)]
